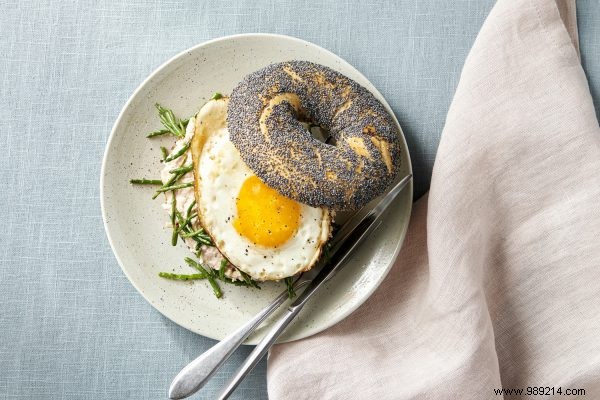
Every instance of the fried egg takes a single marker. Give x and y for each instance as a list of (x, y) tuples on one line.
[(261, 232)]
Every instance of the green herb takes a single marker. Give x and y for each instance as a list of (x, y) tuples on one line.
[(201, 236), (185, 228), (194, 265), (175, 234), (216, 96), (200, 232), (172, 124), (146, 181), (164, 152), (215, 286), (289, 282), (222, 269), (190, 208), (181, 277), (175, 187), (158, 133), (184, 223), (201, 239), (237, 282), (178, 153), (249, 281), (211, 275), (180, 220), (170, 182), (198, 236), (182, 170)]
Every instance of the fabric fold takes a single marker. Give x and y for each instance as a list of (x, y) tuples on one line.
[(498, 282)]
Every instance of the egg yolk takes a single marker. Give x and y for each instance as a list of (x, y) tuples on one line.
[(263, 215)]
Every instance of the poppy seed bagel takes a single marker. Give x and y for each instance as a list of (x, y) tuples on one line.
[(264, 121)]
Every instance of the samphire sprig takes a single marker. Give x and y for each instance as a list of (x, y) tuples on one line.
[(181, 277), (175, 234), (211, 275), (174, 178), (178, 153), (221, 275), (145, 181), (289, 283), (172, 124), (184, 227)]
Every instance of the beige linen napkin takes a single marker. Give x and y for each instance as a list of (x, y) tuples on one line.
[(498, 282)]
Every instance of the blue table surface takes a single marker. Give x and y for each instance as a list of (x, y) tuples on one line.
[(71, 325)]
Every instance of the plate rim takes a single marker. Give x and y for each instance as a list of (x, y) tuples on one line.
[(307, 332)]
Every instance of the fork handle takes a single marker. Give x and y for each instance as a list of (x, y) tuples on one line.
[(260, 350), (195, 375)]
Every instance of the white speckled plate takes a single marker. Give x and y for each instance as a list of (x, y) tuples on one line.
[(135, 224)]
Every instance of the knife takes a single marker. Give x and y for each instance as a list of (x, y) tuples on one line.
[(341, 253)]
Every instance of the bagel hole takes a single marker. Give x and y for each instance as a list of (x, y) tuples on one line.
[(319, 133)]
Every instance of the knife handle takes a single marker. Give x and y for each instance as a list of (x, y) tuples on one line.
[(195, 375), (259, 351)]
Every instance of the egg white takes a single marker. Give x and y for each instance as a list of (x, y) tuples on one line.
[(220, 173)]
